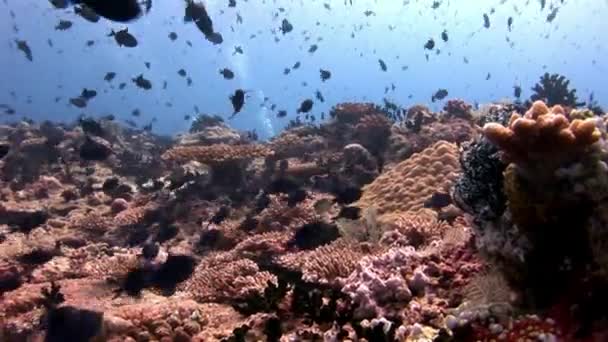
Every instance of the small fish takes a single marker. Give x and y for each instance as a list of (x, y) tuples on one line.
[(50, 42), (286, 71), (305, 106), (325, 75), (296, 65), (436, 4), (238, 100), (143, 83), (94, 150), (122, 86), (430, 44), (231, 3), (189, 43), (319, 96), (109, 76), (510, 23), (188, 81), (281, 113), (115, 10), (286, 26), (542, 4), (327, 6), (59, 4), (368, 13), (219, 217), (227, 73), (90, 126), (237, 49), (517, 91), (382, 65), (444, 35), (313, 48), (438, 200), (439, 95), (187, 117), (349, 212), (147, 64), (24, 47), (173, 36), (322, 206), (164, 84), (136, 112), (87, 13), (88, 94), (486, 20), (181, 72), (108, 117), (488, 76), (552, 15), (63, 25), (79, 102), (90, 42), (124, 38), (4, 149)]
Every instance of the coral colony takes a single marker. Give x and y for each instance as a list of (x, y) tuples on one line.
[(486, 224)]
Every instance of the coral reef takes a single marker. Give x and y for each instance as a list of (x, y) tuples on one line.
[(368, 227)]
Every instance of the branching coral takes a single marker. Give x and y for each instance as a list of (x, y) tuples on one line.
[(553, 89), (419, 228), (458, 108), (216, 154), (410, 183)]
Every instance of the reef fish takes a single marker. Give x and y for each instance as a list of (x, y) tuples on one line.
[(238, 100), (25, 48), (143, 83), (227, 73), (109, 76), (430, 44), (325, 75), (197, 13), (63, 25), (439, 95), (286, 26), (115, 10), (124, 38), (87, 13), (305, 106), (382, 65)]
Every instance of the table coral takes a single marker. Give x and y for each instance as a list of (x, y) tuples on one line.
[(216, 154)]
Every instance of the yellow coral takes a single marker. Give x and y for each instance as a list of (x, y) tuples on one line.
[(410, 183)]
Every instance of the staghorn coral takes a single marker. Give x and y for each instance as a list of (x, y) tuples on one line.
[(225, 282), (543, 136), (329, 262), (412, 182), (215, 154)]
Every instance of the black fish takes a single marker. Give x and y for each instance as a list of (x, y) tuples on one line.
[(347, 194), (143, 83), (438, 200), (486, 21), (382, 65), (552, 15), (173, 36), (221, 215), (517, 91), (124, 38), (90, 42), (136, 112), (444, 35), (122, 86), (305, 106), (50, 42), (231, 3), (296, 65), (439, 95), (510, 23), (90, 126), (22, 45), (147, 64), (198, 13), (109, 76), (4, 148), (436, 4), (430, 44), (313, 235), (286, 26), (238, 100), (181, 72), (368, 13), (87, 13), (313, 48), (115, 10), (281, 114), (350, 212), (488, 76), (63, 25), (319, 96), (88, 94), (79, 102), (286, 71), (59, 4), (227, 73), (237, 49), (542, 4), (108, 117), (325, 75), (176, 269), (68, 323), (188, 81), (295, 197)]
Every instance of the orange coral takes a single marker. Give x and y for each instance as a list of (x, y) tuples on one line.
[(216, 154), (543, 135), (410, 183)]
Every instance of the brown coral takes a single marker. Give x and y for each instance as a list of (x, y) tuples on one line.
[(216, 154), (543, 135), (410, 183), (418, 227), (352, 112)]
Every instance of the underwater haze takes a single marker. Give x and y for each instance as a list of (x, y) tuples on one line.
[(476, 59)]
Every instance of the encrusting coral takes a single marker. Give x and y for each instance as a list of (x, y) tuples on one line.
[(216, 154)]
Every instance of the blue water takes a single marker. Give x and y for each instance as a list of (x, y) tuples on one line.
[(571, 45)]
